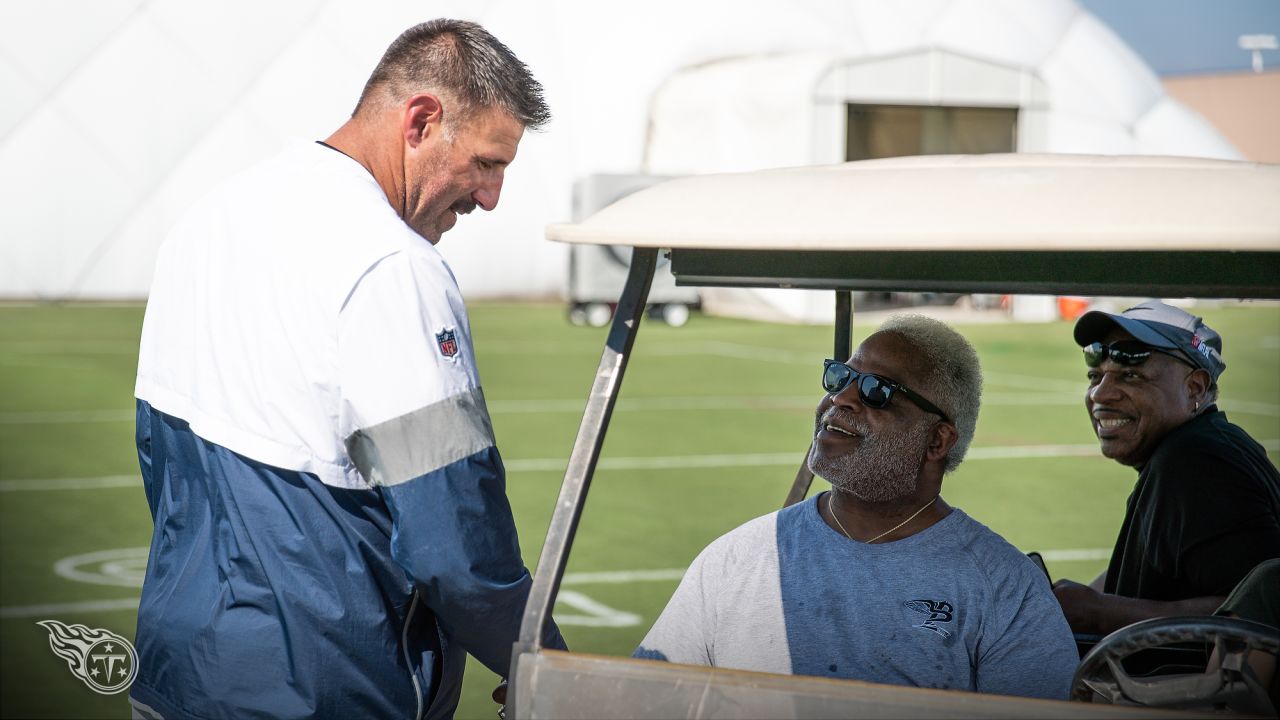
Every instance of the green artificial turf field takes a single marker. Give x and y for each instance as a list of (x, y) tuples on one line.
[(714, 420)]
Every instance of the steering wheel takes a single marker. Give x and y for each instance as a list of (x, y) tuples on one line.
[(1102, 678)]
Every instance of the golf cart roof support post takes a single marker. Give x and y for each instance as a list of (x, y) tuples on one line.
[(843, 350), (582, 461), (844, 326)]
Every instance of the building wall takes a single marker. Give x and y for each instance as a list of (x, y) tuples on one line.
[(1245, 107)]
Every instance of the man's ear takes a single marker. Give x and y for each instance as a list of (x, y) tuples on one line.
[(423, 115), (1198, 383), (942, 438)]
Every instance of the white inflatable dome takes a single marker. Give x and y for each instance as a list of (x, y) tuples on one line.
[(118, 113)]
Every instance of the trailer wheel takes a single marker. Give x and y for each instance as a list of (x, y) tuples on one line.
[(598, 314), (675, 314)]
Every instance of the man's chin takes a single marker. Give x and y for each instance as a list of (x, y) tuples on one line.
[(881, 496), (447, 222), (881, 491), (430, 233), (1123, 453), (818, 465)]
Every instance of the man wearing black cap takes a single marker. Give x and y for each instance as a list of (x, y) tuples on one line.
[(1206, 507)]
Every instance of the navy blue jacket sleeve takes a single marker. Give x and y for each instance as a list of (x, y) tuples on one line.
[(455, 537)]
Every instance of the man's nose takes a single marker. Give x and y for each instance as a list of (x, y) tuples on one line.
[(1106, 389), (848, 397), (486, 196)]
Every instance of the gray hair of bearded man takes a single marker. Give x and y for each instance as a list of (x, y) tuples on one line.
[(464, 63), (954, 382)]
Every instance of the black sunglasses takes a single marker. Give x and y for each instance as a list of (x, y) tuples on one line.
[(1125, 352), (874, 391)]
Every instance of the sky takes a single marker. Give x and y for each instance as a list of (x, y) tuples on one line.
[(1182, 37)]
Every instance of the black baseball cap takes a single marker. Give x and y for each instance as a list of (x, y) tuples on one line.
[(1159, 325)]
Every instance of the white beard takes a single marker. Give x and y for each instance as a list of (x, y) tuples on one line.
[(883, 468)]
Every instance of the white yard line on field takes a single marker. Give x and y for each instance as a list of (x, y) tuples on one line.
[(35, 347), (39, 417), (1078, 555), (742, 351), (80, 483), (613, 577), (671, 462), (648, 404), (1033, 382), (1250, 407), (594, 613), (653, 404), (64, 609)]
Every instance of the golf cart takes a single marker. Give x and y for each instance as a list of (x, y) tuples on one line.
[(1029, 224)]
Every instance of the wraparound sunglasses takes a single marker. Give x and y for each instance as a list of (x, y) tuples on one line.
[(1126, 352), (874, 391)]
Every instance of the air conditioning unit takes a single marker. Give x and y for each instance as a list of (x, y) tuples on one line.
[(598, 272)]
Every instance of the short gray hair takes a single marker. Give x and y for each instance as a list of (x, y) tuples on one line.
[(954, 381), (464, 62)]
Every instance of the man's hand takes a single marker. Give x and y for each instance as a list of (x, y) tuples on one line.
[(500, 693), (1089, 611), (1081, 604)]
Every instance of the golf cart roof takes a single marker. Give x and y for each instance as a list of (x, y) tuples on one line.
[(1037, 224), (975, 202)]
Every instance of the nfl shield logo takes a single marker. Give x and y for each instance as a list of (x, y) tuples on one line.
[(447, 341)]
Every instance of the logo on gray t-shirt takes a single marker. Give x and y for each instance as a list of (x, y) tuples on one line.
[(939, 611)]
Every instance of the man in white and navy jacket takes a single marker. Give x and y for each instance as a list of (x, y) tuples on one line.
[(332, 533)]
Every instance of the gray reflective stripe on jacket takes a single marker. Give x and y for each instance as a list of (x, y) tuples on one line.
[(427, 439)]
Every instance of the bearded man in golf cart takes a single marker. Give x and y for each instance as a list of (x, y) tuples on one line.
[(880, 579), (1206, 507)]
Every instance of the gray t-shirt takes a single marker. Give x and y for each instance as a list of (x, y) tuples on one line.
[(953, 606)]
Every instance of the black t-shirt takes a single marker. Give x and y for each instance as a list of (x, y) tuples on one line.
[(1205, 511)]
